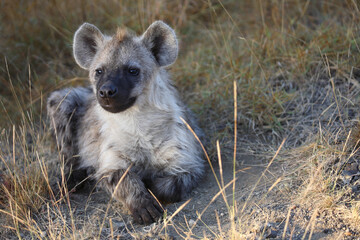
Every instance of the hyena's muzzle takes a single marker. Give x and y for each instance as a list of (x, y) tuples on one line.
[(113, 90)]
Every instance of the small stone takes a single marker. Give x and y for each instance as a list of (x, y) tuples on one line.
[(355, 189), (272, 234), (271, 225), (191, 222), (351, 167), (347, 176), (118, 224), (147, 229), (350, 173), (355, 167)]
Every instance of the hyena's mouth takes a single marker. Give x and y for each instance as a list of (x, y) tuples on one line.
[(115, 107)]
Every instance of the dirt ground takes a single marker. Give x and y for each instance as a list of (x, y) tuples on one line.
[(264, 207)]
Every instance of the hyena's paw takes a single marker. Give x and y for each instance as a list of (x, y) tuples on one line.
[(145, 210)]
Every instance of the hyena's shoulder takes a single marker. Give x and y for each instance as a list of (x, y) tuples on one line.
[(66, 108)]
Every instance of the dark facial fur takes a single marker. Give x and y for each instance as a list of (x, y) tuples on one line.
[(113, 88)]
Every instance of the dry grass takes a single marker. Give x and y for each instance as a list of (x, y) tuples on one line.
[(295, 64)]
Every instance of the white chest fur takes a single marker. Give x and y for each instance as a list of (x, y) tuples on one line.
[(134, 137)]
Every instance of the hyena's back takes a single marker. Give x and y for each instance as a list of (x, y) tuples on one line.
[(66, 108)]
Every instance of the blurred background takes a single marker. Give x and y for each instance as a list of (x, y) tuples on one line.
[(250, 42)]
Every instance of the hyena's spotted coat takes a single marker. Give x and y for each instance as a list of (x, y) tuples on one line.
[(129, 121)]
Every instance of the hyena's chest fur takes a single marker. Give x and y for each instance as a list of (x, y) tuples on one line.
[(143, 139)]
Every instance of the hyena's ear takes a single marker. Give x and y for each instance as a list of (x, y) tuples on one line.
[(161, 40), (87, 40)]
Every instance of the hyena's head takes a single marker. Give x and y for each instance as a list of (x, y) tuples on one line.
[(121, 66)]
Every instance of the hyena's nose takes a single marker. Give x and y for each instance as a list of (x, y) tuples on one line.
[(108, 91)]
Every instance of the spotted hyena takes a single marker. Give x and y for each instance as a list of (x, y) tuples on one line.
[(127, 125)]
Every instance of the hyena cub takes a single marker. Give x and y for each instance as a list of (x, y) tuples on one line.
[(127, 125)]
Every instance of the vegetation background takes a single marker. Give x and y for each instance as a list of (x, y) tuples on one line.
[(275, 85)]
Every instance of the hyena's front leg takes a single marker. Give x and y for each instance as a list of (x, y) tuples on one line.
[(128, 188)]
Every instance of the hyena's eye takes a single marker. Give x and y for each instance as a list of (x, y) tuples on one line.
[(99, 71), (134, 71)]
